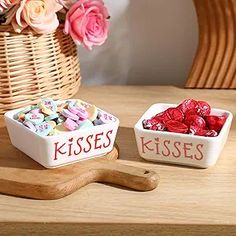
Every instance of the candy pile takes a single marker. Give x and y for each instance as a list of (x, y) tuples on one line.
[(190, 117), (48, 118)]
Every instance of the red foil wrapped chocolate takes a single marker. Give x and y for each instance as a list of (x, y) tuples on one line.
[(176, 127), (190, 117), (215, 122)]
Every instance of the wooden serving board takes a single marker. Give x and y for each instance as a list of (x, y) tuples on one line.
[(21, 176)]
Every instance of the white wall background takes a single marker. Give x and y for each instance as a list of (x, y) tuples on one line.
[(150, 42)]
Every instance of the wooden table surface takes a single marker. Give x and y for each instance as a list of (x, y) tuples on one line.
[(188, 201)]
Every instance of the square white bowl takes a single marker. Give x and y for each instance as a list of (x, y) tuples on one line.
[(62, 149), (182, 149)]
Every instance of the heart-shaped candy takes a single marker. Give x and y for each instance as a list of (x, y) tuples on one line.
[(85, 125), (92, 112), (106, 118), (34, 118), (43, 129)]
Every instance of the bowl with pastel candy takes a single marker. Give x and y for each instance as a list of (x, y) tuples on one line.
[(56, 133)]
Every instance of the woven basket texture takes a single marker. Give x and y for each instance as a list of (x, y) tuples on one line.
[(33, 66)]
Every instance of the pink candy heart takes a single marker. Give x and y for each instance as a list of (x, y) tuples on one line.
[(66, 113), (82, 113), (70, 124)]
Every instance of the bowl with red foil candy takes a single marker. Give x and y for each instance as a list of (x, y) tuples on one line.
[(191, 133)]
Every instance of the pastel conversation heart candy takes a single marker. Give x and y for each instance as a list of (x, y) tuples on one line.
[(30, 125), (105, 118), (52, 123), (50, 104), (21, 117), (82, 113), (43, 129), (92, 112), (34, 118), (23, 111), (85, 125), (72, 108), (46, 110), (80, 121), (61, 107), (52, 117), (70, 124), (60, 119), (82, 104), (58, 129), (35, 111), (66, 113), (33, 107), (26, 110), (71, 102), (98, 122), (78, 103)]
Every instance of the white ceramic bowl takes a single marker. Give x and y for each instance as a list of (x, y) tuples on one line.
[(177, 148), (62, 149)]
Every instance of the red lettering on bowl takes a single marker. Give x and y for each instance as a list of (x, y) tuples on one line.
[(77, 145), (172, 149)]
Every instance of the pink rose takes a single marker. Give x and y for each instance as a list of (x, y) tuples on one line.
[(87, 22), (40, 15), (6, 4)]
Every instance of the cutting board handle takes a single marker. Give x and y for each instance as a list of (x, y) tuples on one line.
[(128, 176)]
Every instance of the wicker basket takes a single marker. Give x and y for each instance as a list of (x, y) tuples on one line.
[(34, 66)]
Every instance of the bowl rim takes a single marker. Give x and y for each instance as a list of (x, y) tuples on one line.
[(138, 126)]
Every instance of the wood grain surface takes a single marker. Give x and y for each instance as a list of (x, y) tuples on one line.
[(21, 176), (215, 62), (188, 201)]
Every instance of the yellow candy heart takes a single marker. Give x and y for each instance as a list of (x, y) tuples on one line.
[(60, 128), (92, 112), (61, 107), (46, 111), (52, 123)]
